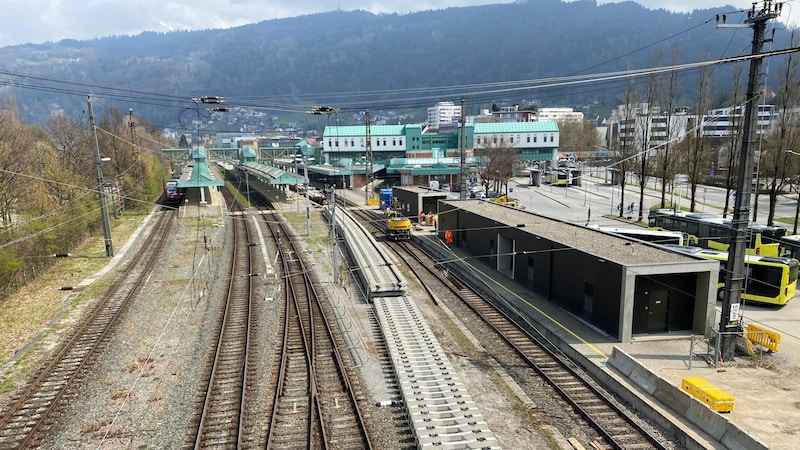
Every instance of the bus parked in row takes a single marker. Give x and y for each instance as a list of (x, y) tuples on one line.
[(713, 232), (660, 237), (770, 279)]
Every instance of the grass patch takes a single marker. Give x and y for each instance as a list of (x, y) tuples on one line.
[(25, 313), (786, 220)]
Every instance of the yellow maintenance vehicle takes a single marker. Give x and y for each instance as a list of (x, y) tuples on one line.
[(398, 227), (504, 200)]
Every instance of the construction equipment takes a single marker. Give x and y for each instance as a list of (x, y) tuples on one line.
[(398, 227), (504, 200)]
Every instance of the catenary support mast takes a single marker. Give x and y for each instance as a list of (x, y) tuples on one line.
[(735, 271)]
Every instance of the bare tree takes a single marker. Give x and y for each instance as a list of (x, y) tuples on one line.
[(778, 164), (624, 140), (577, 136), (644, 129), (73, 143), (695, 154), (671, 96), (17, 154), (734, 139), (495, 165)]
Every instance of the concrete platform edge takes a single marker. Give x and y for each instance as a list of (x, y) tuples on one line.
[(703, 417)]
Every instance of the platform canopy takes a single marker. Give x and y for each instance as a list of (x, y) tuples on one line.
[(201, 175), (273, 175)]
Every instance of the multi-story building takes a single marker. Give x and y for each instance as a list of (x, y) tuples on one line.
[(639, 123), (534, 141), (641, 126), (417, 154), (443, 115), (505, 114), (559, 114), (724, 122)]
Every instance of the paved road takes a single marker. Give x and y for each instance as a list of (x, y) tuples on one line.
[(596, 197)]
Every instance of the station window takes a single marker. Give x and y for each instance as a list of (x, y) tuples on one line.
[(529, 138)]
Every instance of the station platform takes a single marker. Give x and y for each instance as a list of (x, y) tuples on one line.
[(212, 205), (204, 201)]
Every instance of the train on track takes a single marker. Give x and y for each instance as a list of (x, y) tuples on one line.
[(172, 194)]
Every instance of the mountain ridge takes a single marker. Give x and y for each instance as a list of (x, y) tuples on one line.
[(280, 63)]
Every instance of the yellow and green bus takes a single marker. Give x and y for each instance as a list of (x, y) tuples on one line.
[(770, 279), (714, 232)]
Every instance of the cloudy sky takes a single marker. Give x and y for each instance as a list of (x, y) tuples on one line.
[(37, 21)]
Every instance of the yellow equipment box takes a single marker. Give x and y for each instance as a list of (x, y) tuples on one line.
[(712, 396)]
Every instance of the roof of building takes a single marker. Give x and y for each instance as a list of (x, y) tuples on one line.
[(361, 130), (201, 175), (545, 126), (274, 175), (622, 250)]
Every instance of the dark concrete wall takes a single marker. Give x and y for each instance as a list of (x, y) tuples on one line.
[(582, 283)]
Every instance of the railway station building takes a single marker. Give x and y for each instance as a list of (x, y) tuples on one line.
[(624, 287)]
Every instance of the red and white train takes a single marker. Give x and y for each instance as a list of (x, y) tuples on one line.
[(172, 195)]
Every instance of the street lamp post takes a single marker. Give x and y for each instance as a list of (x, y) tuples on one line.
[(797, 189), (247, 186), (308, 202)]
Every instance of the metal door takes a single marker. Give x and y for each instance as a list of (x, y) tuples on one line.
[(657, 308)]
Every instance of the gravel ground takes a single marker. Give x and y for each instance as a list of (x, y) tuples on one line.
[(142, 390)]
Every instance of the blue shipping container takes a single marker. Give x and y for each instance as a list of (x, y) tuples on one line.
[(386, 198)]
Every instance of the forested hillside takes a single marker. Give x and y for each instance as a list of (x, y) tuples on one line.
[(308, 59)]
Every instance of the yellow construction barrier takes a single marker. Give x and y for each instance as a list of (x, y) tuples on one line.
[(763, 337), (712, 396)]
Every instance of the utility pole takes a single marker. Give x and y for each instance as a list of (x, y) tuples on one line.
[(735, 274), (368, 170), (327, 110), (100, 188), (334, 236), (139, 175), (307, 182), (462, 182)]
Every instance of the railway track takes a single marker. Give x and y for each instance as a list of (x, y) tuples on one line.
[(222, 421), (616, 427), (316, 404), (30, 415)]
